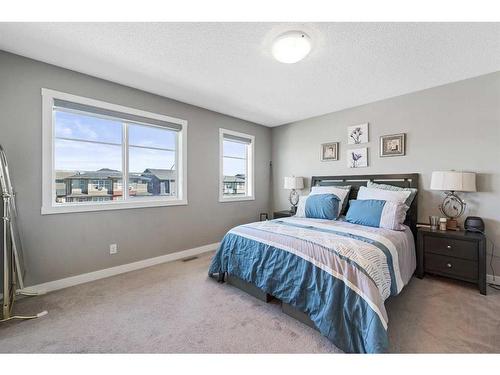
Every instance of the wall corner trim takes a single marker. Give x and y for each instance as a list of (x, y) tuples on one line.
[(54, 285), (490, 280)]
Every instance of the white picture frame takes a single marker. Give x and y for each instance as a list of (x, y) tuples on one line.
[(357, 157), (357, 134)]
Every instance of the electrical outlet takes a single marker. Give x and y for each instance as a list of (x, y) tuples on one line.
[(113, 248)]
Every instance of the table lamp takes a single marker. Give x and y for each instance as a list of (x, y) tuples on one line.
[(294, 183), (450, 182)]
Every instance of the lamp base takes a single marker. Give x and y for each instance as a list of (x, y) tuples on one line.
[(452, 224), (294, 199), (452, 207)]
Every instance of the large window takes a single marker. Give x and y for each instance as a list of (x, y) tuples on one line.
[(236, 166), (104, 156)]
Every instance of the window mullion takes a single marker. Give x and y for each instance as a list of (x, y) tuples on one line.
[(125, 155)]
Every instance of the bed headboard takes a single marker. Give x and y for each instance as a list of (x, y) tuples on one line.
[(401, 180)]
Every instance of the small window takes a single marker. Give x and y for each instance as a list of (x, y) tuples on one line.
[(99, 155), (236, 166)]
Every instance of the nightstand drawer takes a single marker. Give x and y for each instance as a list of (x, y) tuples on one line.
[(451, 247), (461, 268)]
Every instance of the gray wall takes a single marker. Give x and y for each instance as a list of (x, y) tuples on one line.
[(62, 245), (456, 126)]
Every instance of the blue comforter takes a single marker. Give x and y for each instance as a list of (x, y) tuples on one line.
[(338, 273)]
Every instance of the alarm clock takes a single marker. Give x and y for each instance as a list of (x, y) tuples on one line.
[(474, 224)]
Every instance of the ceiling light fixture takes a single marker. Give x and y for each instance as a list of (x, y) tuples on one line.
[(291, 47)]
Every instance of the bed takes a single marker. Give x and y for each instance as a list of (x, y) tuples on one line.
[(332, 275)]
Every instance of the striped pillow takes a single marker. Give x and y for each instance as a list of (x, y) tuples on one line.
[(377, 213), (411, 197)]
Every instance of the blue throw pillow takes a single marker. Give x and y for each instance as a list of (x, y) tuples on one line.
[(322, 206), (377, 213)]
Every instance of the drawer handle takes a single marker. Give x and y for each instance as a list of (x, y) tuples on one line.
[(448, 265), (448, 247)]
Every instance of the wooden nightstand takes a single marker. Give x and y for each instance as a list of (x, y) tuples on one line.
[(280, 214), (457, 255)]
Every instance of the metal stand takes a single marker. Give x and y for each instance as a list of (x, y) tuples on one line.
[(454, 201), (13, 264)]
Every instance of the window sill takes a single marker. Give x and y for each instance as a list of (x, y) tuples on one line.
[(48, 210), (236, 199)]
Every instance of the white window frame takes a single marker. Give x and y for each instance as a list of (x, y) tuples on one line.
[(250, 183), (49, 205)]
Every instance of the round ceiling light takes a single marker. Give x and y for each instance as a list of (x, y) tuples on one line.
[(291, 47)]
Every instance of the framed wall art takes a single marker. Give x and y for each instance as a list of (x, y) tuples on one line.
[(330, 151), (357, 157), (357, 134), (393, 145)]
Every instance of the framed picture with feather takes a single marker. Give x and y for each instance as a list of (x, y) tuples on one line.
[(357, 157), (357, 134)]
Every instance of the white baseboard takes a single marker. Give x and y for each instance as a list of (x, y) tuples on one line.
[(108, 272)]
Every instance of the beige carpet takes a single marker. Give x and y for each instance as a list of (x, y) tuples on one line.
[(175, 307)]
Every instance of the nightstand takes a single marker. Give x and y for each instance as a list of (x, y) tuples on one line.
[(280, 214), (457, 255)]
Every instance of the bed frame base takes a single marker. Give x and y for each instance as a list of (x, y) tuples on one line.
[(266, 297), (248, 288), (297, 315)]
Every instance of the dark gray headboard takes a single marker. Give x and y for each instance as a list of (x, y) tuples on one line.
[(401, 180)]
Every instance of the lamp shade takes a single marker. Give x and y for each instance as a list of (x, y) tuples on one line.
[(294, 183), (453, 181)]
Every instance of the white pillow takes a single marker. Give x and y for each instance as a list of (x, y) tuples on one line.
[(365, 193), (301, 206), (342, 194)]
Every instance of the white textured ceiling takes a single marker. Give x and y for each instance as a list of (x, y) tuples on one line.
[(228, 68)]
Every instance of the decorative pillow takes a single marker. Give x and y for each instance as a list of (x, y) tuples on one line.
[(322, 206), (377, 213), (411, 197), (383, 195), (343, 191), (343, 209), (340, 191)]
